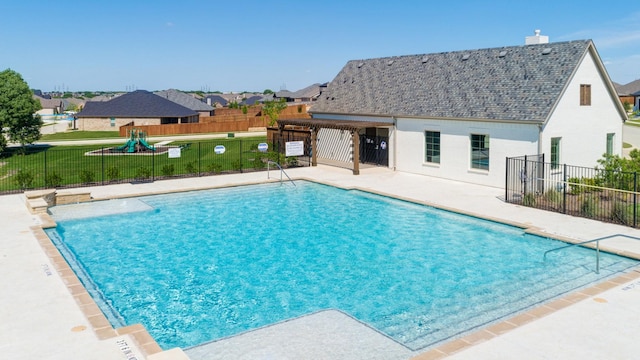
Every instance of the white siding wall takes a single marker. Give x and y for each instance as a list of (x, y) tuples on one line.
[(583, 129), (505, 140)]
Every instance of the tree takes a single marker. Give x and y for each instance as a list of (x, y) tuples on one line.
[(267, 92), (273, 108), (18, 120)]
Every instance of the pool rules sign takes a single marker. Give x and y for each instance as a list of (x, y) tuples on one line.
[(294, 148)]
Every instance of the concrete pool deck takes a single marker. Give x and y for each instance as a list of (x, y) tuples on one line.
[(40, 316)]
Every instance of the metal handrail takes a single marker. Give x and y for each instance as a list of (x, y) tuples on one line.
[(597, 241), (281, 171)]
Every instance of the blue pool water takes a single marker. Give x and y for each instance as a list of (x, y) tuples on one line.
[(194, 267)]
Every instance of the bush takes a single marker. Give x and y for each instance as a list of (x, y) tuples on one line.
[(86, 176), (168, 170), (237, 165), (143, 173), (621, 213), (53, 179), (23, 178), (113, 173), (292, 161), (190, 167), (529, 199), (589, 206), (260, 161), (214, 168), (553, 196)]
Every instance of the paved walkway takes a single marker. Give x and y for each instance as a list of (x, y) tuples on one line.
[(40, 319)]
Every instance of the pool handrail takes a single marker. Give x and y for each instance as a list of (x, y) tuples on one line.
[(281, 171), (597, 241)]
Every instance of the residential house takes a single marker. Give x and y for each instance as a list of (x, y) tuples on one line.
[(216, 101), (630, 93), (49, 106), (458, 115), (308, 94), (187, 101), (138, 108)]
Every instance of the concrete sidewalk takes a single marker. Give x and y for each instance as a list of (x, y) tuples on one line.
[(40, 319)]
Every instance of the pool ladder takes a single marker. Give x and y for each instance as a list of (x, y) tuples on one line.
[(597, 241), (281, 171)]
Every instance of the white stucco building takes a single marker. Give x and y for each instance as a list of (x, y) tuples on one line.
[(459, 115)]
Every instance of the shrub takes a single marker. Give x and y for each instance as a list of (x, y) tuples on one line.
[(190, 167), (589, 206), (529, 199), (86, 176), (553, 196), (168, 170), (237, 165), (260, 161), (113, 173), (23, 178), (620, 213), (214, 168), (53, 179), (292, 161), (143, 173)]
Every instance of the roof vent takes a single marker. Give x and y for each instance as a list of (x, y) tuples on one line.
[(390, 62), (465, 57), (360, 65), (503, 53), (425, 59), (546, 51)]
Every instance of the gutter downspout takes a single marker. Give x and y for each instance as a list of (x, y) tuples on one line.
[(395, 130), (539, 139)]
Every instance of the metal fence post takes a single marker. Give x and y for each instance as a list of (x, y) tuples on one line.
[(506, 182), (635, 199), (564, 189), (102, 164), (45, 167)]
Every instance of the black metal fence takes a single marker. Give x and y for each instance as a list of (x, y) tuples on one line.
[(605, 195), (38, 167)]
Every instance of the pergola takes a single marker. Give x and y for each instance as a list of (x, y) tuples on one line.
[(316, 124)]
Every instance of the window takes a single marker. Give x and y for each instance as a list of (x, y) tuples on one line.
[(555, 153), (479, 151), (112, 121), (432, 146), (585, 95), (610, 138)]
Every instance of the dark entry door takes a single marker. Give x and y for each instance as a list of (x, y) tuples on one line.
[(374, 149)]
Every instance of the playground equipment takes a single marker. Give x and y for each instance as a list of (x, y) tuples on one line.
[(137, 142)]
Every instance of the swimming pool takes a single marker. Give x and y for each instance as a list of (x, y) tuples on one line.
[(193, 267)]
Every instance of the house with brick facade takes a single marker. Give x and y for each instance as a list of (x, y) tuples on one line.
[(136, 108)]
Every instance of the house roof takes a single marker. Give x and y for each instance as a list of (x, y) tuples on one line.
[(138, 103), (183, 99), (632, 88), (217, 99), (49, 103), (307, 92), (253, 100), (516, 83)]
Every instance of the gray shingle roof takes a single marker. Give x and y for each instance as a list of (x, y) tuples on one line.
[(632, 88), (507, 83), (183, 99), (138, 103)]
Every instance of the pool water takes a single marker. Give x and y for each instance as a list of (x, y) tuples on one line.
[(198, 266)]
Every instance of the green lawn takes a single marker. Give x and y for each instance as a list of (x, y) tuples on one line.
[(59, 166)]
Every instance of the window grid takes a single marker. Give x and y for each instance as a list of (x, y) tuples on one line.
[(555, 153), (479, 151), (432, 146)]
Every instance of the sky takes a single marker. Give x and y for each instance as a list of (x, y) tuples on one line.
[(235, 46)]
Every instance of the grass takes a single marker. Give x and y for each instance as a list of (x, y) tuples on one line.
[(59, 166), (81, 135)]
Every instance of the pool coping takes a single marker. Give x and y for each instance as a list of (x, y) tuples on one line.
[(147, 344)]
